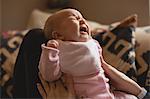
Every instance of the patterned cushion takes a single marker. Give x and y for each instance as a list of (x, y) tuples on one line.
[(143, 56), (118, 46), (9, 46)]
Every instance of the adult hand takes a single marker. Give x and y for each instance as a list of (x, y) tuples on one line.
[(56, 89)]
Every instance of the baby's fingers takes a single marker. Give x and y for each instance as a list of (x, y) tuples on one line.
[(52, 43)]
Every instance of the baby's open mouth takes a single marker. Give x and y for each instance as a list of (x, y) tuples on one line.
[(83, 29)]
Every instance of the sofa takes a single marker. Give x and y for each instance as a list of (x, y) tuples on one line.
[(125, 46)]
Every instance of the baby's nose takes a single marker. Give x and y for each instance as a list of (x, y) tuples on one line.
[(82, 21)]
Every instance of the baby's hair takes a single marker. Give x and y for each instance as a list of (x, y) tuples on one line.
[(48, 28), (50, 24), (71, 8)]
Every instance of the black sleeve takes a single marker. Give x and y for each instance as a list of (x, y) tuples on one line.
[(26, 66)]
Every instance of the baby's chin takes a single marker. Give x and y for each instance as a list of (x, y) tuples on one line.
[(85, 38)]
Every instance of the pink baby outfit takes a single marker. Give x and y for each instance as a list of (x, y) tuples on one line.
[(82, 61)]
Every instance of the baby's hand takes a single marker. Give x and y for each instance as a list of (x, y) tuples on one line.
[(53, 43)]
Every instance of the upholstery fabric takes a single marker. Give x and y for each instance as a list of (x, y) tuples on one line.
[(9, 47), (118, 49), (143, 56)]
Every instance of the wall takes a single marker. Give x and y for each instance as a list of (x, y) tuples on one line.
[(108, 11), (0, 15), (149, 12), (15, 13)]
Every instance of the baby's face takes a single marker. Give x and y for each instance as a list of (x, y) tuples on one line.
[(72, 26)]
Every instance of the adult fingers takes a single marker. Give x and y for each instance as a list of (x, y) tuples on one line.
[(41, 91), (44, 83), (70, 83), (52, 89)]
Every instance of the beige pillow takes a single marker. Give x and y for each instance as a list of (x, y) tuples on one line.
[(38, 18)]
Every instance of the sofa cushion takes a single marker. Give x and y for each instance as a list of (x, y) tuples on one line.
[(10, 42), (118, 46), (143, 56)]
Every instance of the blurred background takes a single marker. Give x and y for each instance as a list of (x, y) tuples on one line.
[(18, 16), (14, 14)]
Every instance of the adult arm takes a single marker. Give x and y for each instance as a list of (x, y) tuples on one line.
[(120, 81), (26, 66)]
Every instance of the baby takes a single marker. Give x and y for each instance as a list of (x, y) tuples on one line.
[(72, 51)]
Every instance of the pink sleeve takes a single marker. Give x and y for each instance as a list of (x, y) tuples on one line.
[(49, 63), (99, 47)]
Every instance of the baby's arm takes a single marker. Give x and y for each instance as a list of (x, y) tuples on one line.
[(49, 61), (120, 81)]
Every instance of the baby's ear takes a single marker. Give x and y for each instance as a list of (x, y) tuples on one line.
[(56, 35)]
